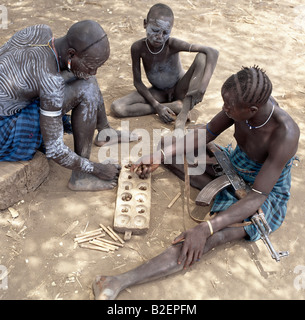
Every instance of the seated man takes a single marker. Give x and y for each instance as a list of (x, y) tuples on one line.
[(36, 91), (267, 140), (173, 90)]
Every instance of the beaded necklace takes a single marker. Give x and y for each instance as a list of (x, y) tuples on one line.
[(252, 127), (52, 47), (152, 51)]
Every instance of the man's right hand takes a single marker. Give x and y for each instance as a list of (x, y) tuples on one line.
[(144, 166)]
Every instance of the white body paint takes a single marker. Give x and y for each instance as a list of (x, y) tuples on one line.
[(24, 74)]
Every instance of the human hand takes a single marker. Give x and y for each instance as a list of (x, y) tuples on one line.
[(165, 113), (144, 166), (194, 241)]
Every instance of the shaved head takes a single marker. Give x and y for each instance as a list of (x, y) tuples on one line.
[(160, 9), (85, 34), (87, 48)]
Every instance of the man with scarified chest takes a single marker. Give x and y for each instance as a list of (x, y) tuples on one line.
[(41, 79)]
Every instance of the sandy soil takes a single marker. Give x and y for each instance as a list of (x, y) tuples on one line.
[(42, 261)]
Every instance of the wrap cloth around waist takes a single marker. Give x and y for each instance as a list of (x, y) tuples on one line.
[(274, 207), (20, 135)]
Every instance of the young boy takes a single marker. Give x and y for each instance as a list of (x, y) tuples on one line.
[(267, 139), (173, 90)]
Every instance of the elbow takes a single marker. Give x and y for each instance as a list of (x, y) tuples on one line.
[(214, 54), (211, 54)]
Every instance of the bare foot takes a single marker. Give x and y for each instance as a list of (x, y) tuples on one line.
[(105, 288), (193, 115), (80, 181), (111, 136), (181, 120)]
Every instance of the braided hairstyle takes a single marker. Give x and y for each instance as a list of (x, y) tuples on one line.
[(252, 85)]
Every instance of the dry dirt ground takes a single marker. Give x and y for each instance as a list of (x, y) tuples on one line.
[(43, 262)]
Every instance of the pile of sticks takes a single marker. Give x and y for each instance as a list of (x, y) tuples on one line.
[(94, 239)]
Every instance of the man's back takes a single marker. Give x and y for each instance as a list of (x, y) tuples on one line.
[(22, 68)]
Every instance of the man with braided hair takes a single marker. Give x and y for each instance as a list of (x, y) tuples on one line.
[(41, 79), (252, 85), (267, 140)]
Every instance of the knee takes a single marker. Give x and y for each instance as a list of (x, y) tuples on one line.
[(118, 109), (228, 234), (89, 100)]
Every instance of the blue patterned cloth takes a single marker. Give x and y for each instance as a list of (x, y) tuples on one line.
[(274, 207), (20, 135)]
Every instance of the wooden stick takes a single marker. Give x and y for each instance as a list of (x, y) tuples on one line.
[(84, 239), (88, 237), (104, 245), (92, 242), (88, 233), (93, 247), (116, 235), (108, 232), (174, 200), (110, 242)]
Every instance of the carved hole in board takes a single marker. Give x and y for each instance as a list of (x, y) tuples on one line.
[(126, 196)]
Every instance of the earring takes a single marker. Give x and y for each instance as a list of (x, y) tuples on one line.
[(69, 64)]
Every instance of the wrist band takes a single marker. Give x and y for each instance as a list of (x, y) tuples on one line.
[(210, 227), (212, 133)]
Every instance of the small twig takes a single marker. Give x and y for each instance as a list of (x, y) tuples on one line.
[(174, 200)]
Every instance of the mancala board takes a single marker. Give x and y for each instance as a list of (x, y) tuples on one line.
[(133, 203)]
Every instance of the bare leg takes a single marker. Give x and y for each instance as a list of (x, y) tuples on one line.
[(196, 181), (109, 133), (107, 288), (190, 82), (82, 97), (134, 105), (183, 115)]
